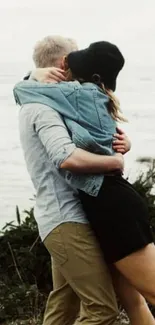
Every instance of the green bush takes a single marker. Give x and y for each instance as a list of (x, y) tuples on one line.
[(25, 266), (25, 270), (145, 186)]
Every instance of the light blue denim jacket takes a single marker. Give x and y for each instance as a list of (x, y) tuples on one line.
[(85, 112)]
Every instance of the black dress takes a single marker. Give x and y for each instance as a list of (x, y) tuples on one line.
[(119, 218)]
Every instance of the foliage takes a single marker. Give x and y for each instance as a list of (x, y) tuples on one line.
[(25, 266), (145, 186), (25, 270)]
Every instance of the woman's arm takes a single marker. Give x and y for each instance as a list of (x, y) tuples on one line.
[(48, 75), (54, 95)]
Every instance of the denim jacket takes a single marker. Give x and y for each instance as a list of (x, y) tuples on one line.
[(85, 113)]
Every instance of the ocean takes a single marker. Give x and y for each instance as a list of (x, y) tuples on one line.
[(136, 91)]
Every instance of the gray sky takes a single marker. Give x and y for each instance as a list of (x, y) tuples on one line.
[(128, 23)]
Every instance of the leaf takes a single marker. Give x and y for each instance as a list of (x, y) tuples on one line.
[(18, 215)]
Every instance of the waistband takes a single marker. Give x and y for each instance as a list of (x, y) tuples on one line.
[(114, 173)]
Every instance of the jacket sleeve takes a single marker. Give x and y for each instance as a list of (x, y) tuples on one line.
[(55, 96)]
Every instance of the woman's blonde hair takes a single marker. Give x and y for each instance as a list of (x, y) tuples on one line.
[(114, 104)]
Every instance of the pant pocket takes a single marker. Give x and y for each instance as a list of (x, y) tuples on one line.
[(56, 247)]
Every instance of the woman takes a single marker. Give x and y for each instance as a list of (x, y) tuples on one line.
[(115, 211)]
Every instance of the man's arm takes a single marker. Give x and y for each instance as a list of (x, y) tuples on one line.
[(81, 161), (61, 150)]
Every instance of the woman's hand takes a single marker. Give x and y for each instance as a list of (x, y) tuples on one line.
[(48, 75), (122, 143)]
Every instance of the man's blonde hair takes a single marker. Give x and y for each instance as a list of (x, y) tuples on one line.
[(50, 49)]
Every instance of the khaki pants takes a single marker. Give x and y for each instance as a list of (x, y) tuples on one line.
[(81, 280)]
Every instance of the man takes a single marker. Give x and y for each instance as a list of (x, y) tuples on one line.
[(81, 279)]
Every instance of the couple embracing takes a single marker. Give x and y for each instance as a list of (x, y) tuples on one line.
[(92, 221)]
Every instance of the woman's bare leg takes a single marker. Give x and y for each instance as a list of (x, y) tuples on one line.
[(139, 269), (132, 301)]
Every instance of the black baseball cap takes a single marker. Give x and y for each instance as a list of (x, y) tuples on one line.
[(101, 59)]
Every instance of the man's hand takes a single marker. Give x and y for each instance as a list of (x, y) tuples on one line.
[(122, 143), (120, 160), (48, 75)]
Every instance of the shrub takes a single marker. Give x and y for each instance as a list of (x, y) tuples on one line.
[(25, 270), (25, 266)]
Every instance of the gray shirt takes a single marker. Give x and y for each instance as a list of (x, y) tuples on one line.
[(46, 144)]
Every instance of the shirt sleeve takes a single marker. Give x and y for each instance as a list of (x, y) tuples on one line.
[(53, 134)]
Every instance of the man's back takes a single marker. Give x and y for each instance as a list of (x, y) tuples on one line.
[(56, 202)]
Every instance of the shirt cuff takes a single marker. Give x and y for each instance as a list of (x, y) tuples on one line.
[(65, 153)]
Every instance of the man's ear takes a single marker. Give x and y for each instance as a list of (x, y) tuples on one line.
[(63, 63)]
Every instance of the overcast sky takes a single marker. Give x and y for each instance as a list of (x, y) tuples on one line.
[(128, 23)]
